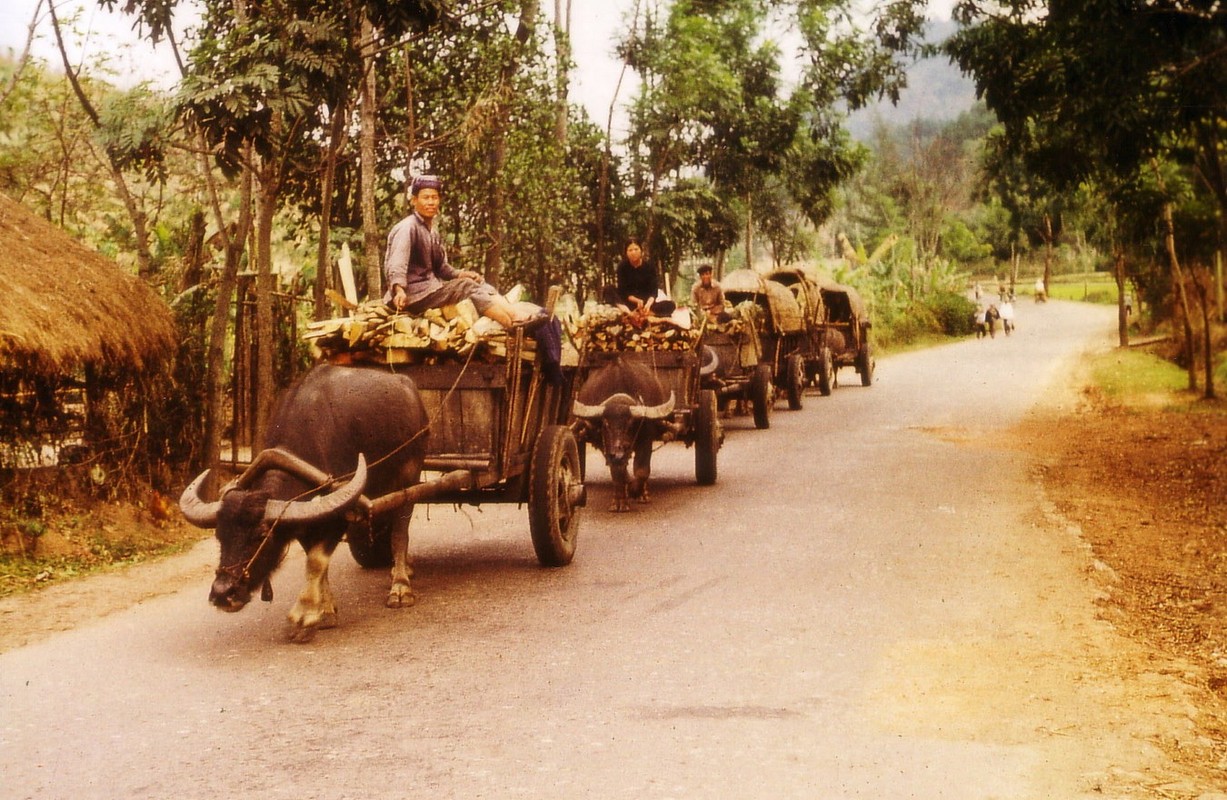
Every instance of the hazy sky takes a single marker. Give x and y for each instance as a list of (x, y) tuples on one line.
[(594, 26), (594, 23)]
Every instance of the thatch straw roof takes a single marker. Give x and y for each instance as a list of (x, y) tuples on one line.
[(844, 301), (63, 305), (786, 314)]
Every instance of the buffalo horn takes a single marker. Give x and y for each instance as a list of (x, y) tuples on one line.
[(195, 510), (585, 411), (654, 412), (298, 511)]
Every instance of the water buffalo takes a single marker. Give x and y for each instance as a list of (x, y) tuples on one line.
[(627, 404), (331, 424)]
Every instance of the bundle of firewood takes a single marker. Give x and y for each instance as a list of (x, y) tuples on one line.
[(376, 332), (608, 329)]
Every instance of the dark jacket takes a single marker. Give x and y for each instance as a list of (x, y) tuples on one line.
[(642, 281)]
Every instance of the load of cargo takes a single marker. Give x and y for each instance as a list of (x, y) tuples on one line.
[(609, 329), (377, 333)]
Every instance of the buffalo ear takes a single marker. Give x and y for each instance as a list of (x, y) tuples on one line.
[(195, 510)]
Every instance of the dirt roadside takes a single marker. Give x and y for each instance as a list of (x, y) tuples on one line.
[(1147, 488)]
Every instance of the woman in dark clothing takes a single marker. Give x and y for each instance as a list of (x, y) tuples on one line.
[(639, 283)]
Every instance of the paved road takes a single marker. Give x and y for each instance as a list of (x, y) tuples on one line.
[(842, 615)]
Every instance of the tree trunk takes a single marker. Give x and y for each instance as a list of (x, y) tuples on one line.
[(562, 52), (140, 222), (1169, 241), (323, 260), (1201, 282), (1122, 317), (371, 243), (749, 233), (411, 120), (193, 252), (265, 335), (235, 238), (1047, 254), (498, 147)]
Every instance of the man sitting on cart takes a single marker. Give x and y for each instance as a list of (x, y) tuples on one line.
[(419, 275), (707, 296)]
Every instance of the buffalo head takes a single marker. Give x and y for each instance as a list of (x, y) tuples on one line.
[(620, 417), (254, 529)]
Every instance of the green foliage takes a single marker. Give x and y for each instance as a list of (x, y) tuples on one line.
[(960, 243), (954, 313)]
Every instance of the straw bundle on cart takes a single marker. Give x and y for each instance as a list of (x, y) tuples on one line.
[(379, 334), (608, 329)]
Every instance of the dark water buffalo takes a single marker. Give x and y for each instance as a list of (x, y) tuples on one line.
[(624, 406), (329, 425)]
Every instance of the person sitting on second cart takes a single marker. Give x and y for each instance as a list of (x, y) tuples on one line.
[(707, 295), (419, 275), (638, 289)]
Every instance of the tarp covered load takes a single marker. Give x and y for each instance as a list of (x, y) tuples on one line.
[(785, 312), (742, 329), (608, 329), (843, 303), (805, 290)]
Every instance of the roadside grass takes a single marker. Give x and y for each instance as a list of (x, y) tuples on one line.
[(1090, 287), (1141, 380), (64, 544)]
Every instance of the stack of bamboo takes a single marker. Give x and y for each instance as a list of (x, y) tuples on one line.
[(377, 333), (607, 329)]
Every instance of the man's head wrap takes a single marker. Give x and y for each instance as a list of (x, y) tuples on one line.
[(425, 182)]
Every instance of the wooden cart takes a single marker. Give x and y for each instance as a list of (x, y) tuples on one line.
[(695, 419), (740, 375), (498, 434)]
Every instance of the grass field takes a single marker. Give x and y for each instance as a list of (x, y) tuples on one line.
[(1092, 287)]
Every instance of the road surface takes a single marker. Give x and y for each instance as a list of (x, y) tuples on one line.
[(874, 601)]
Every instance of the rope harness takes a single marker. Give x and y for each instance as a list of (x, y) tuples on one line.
[(241, 572)]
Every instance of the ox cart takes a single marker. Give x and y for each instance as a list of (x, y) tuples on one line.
[(845, 330), (694, 417), (498, 433), (739, 375), (785, 326)]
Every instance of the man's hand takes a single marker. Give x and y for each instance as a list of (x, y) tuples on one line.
[(399, 298), (471, 275)]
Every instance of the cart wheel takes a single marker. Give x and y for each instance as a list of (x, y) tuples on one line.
[(706, 438), (794, 386), (864, 365), (555, 496), (372, 548), (825, 378), (762, 396)]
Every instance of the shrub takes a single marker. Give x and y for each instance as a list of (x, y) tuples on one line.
[(954, 313)]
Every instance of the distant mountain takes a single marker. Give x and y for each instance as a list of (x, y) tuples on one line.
[(936, 89)]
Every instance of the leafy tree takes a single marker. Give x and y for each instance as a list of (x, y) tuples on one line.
[(1074, 109)]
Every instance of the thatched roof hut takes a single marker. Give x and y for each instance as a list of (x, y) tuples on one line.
[(64, 306)]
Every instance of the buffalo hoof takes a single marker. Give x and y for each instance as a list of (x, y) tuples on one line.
[(620, 505), (304, 621), (400, 596), (300, 635)]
